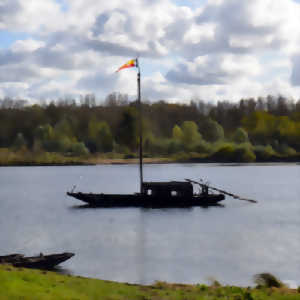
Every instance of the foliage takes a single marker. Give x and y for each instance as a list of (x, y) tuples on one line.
[(127, 133), (264, 153), (226, 153), (240, 136), (20, 142), (25, 157), (265, 129), (230, 152), (100, 138), (79, 149), (244, 153), (44, 132), (211, 130), (174, 146), (267, 280), (203, 147), (177, 133), (286, 150), (156, 146), (190, 134)]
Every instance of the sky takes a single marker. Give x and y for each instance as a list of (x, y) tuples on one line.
[(198, 49)]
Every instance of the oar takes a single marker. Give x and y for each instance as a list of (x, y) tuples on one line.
[(221, 191)]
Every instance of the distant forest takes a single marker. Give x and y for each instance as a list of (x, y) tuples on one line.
[(263, 129)]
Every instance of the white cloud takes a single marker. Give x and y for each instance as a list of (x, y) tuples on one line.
[(13, 89), (28, 45), (215, 69), (295, 76), (18, 73), (219, 48), (197, 33), (157, 87), (30, 15)]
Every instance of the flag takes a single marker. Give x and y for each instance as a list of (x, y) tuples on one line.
[(130, 64)]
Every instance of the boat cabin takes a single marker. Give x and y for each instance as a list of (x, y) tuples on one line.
[(168, 189)]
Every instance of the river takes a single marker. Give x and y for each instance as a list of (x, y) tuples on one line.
[(229, 244)]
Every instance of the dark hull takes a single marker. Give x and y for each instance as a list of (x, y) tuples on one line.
[(139, 200), (36, 262)]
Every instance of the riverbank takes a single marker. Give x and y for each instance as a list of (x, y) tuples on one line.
[(35, 284), (128, 161), (100, 160), (29, 158), (10, 158), (88, 162)]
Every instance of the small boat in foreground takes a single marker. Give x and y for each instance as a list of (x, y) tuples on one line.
[(153, 195), (41, 261)]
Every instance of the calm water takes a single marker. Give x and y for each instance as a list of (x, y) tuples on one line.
[(230, 243)]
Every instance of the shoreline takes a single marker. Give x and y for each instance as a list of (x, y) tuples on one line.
[(135, 161), (27, 283)]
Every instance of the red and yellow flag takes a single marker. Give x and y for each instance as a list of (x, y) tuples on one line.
[(130, 64)]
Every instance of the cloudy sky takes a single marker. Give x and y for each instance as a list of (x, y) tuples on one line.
[(205, 49)]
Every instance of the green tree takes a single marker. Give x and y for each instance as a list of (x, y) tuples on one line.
[(226, 153), (264, 153), (79, 149), (177, 133), (127, 133), (240, 136), (63, 137), (20, 142), (60, 143), (100, 138), (191, 135), (44, 132), (211, 131), (174, 146), (244, 153), (287, 131), (64, 128), (261, 127), (286, 150)]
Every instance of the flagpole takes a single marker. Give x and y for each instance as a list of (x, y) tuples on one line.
[(140, 126)]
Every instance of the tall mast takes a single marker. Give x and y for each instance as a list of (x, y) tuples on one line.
[(140, 125)]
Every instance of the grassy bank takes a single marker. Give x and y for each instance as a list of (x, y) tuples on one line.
[(34, 284), (28, 158), (111, 161)]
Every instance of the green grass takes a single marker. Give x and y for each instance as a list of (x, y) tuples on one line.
[(27, 158), (34, 284)]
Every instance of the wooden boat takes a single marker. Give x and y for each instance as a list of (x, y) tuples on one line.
[(36, 262), (154, 195)]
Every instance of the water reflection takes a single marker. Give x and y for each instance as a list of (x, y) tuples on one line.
[(148, 209), (61, 270)]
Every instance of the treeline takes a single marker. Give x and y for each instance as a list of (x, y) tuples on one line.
[(263, 129)]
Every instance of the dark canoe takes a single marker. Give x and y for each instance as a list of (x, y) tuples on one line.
[(36, 262)]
